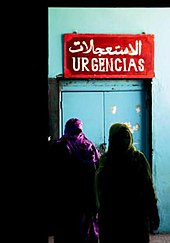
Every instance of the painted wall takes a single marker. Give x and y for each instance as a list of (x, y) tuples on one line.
[(128, 21)]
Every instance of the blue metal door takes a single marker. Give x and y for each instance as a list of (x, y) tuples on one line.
[(100, 108)]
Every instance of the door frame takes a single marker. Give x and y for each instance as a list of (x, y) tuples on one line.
[(78, 85)]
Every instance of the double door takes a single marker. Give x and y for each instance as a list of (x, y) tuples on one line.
[(99, 109)]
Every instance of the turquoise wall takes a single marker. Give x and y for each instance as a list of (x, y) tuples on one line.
[(128, 21)]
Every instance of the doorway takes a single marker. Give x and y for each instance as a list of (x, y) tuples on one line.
[(101, 103)]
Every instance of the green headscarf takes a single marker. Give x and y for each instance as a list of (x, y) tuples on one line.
[(120, 138)]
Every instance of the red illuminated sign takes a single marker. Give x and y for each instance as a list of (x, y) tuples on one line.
[(108, 56)]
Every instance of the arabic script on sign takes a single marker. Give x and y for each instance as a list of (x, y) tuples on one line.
[(129, 50)]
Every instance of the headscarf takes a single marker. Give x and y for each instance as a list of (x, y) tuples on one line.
[(120, 138), (72, 126), (77, 142)]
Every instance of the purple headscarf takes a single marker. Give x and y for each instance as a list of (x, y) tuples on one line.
[(72, 126), (77, 142)]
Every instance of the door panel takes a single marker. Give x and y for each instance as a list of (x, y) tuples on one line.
[(127, 107), (88, 107)]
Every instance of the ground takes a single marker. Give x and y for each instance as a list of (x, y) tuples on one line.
[(157, 238)]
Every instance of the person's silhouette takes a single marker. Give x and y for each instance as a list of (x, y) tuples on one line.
[(126, 200), (74, 211)]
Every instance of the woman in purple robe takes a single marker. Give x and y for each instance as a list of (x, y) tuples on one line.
[(76, 159)]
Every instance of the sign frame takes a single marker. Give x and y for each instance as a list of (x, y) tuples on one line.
[(108, 56)]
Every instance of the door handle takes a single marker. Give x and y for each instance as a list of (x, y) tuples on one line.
[(102, 147)]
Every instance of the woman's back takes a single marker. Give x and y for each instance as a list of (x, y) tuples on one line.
[(124, 191)]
